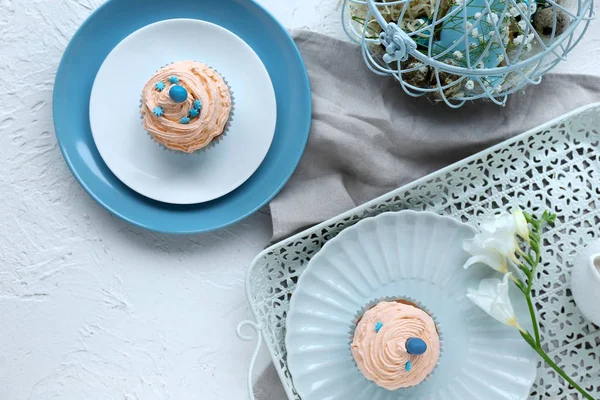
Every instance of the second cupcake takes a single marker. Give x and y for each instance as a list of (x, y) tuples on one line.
[(186, 106), (396, 344)]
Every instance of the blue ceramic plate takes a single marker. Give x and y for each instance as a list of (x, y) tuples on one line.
[(117, 19)]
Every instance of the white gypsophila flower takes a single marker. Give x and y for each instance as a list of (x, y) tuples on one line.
[(475, 32), (458, 2), (530, 37), (492, 18), (518, 40), (523, 7), (473, 45), (521, 225), (522, 24), (480, 65), (470, 85), (513, 12), (477, 15), (505, 40), (500, 58), (469, 26), (528, 47), (458, 54), (492, 297)]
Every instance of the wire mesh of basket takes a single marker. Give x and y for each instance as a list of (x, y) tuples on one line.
[(460, 50)]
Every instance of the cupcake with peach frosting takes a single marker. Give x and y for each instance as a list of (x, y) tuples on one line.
[(396, 344), (186, 106)]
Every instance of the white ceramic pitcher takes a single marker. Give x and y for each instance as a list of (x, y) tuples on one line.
[(585, 281)]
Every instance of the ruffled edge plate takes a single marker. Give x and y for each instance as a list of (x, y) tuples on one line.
[(414, 254)]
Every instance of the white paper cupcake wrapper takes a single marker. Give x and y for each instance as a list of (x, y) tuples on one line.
[(216, 140), (359, 314)]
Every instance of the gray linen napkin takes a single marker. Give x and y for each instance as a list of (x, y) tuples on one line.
[(368, 137)]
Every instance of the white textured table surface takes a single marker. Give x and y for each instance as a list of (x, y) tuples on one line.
[(91, 307)]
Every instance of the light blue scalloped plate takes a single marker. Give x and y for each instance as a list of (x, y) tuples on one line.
[(407, 254), (107, 27)]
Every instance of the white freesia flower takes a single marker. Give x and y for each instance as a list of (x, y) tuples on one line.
[(497, 242), (492, 297), (482, 253), (522, 228)]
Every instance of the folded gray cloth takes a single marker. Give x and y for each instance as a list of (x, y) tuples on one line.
[(368, 137)]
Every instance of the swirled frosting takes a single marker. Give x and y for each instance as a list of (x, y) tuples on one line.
[(381, 355), (202, 83)]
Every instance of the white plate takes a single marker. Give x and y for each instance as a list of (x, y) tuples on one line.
[(148, 168), (412, 254)]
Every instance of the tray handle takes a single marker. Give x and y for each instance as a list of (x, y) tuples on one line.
[(257, 331)]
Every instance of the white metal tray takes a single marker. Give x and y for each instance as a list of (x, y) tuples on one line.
[(555, 166)]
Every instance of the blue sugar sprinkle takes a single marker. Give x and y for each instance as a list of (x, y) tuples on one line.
[(378, 327), (159, 112), (160, 86), (194, 113), (173, 79), (184, 120), (197, 104), (408, 366)]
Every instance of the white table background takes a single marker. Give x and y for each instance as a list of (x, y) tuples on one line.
[(91, 307)]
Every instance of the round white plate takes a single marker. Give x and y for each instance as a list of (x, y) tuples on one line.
[(151, 170), (411, 254)]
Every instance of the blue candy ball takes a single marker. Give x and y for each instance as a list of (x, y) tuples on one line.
[(178, 94), (416, 346)]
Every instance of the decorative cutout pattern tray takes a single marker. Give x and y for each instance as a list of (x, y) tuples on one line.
[(555, 166)]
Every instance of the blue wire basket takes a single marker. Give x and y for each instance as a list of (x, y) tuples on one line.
[(460, 50)]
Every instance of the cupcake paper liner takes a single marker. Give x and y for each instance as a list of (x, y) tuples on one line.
[(359, 314), (216, 140)]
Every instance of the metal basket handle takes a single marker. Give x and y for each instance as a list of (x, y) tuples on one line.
[(257, 330), (397, 43)]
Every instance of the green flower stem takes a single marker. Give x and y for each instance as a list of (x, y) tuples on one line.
[(533, 262), (536, 330), (538, 349)]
